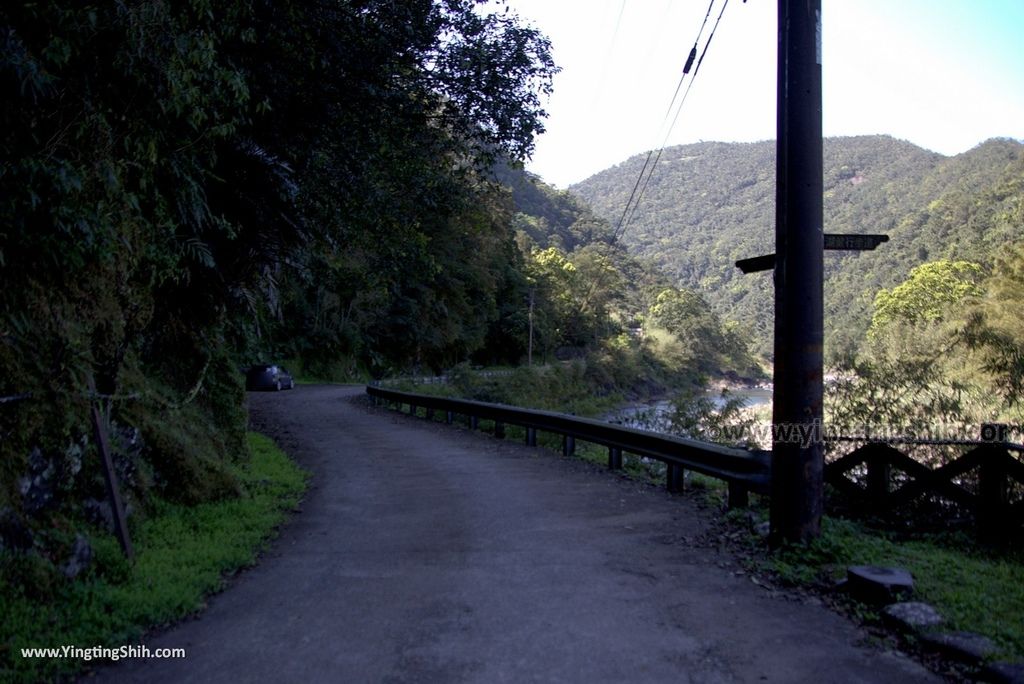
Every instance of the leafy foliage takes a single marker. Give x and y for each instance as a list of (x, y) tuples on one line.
[(995, 328), (932, 366), (928, 293)]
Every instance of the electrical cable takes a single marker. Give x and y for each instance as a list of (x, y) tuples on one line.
[(643, 188), (686, 69), (689, 61), (640, 186), (608, 56)]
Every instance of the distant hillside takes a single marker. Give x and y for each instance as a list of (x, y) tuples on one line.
[(551, 217), (710, 204)]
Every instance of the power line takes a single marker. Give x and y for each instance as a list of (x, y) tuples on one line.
[(620, 226), (689, 61), (640, 186), (610, 52), (642, 181)]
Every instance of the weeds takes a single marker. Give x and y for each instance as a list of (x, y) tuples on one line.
[(975, 588), (183, 553)]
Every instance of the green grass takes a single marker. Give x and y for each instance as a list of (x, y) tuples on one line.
[(183, 554), (976, 589)]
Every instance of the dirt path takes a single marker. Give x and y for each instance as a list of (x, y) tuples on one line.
[(429, 553)]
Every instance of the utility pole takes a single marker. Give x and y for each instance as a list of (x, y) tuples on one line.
[(529, 352), (798, 457)]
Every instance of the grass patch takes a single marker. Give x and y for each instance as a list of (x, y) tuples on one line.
[(976, 589), (183, 554)]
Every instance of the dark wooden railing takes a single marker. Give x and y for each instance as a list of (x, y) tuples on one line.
[(744, 471), (987, 480)]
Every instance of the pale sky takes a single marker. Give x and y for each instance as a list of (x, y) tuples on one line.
[(943, 74)]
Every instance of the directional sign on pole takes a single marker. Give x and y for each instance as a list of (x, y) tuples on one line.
[(755, 264), (853, 242), (833, 241)]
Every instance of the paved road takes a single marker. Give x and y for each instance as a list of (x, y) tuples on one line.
[(425, 553)]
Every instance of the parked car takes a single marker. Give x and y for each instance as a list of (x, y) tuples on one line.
[(268, 377)]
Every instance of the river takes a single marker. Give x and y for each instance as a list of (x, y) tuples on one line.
[(651, 416)]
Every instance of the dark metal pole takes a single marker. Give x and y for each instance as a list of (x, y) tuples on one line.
[(109, 474), (798, 457)]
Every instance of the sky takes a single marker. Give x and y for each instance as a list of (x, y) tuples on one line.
[(943, 74)]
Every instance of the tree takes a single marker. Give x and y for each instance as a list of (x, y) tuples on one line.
[(687, 315), (995, 327), (915, 374), (929, 294)]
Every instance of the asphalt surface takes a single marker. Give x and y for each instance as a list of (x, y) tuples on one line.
[(428, 553)]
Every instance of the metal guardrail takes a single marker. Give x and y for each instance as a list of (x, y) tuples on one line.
[(743, 470)]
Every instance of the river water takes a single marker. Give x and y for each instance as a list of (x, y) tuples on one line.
[(650, 416)]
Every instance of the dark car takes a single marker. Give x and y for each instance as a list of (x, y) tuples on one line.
[(268, 377)]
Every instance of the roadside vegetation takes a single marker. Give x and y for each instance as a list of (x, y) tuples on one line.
[(975, 588), (190, 188), (182, 554)]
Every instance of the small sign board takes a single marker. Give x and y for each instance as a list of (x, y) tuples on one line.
[(853, 242), (758, 263), (833, 241)]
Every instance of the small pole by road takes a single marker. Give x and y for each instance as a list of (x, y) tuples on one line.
[(529, 353), (117, 512)]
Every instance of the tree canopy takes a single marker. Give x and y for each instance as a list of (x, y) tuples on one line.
[(709, 204), (931, 291)]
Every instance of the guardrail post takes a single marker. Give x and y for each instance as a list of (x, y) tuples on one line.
[(499, 429), (474, 422), (675, 478), (412, 409), (430, 414), (614, 458), (531, 436), (568, 445), (738, 497), (449, 417)]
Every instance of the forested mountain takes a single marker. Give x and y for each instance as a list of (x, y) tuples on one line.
[(709, 204), (550, 217), (593, 294)]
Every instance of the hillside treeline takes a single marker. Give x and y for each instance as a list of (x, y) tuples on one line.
[(709, 204), (922, 334)]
